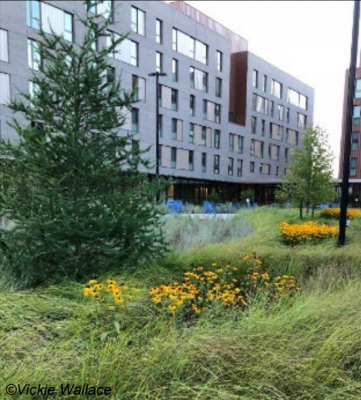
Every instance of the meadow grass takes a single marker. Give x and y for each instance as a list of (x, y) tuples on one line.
[(308, 351)]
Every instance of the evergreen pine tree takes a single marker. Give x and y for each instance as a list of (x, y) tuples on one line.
[(71, 183)]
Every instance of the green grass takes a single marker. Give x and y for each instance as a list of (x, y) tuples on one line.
[(309, 351)]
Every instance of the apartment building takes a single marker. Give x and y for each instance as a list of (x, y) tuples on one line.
[(355, 158), (227, 119)]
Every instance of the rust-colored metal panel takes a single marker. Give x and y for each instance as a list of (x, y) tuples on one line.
[(238, 87)]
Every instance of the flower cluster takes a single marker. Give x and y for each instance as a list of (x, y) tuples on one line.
[(222, 286), (111, 294), (294, 234), (335, 213)]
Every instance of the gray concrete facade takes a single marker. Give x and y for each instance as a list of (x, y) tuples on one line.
[(13, 19)]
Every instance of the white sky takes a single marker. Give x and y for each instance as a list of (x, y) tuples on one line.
[(310, 40)]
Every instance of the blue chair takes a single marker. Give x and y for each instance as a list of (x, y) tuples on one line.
[(237, 206), (209, 207), (230, 207), (175, 206), (288, 206), (255, 205)]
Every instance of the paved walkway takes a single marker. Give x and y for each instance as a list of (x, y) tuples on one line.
[(203, 216)]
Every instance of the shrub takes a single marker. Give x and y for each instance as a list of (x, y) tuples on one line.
[(334, 213), (293, 234)]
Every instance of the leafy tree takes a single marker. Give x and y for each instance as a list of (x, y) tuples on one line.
[(71, 182), (309, 174)]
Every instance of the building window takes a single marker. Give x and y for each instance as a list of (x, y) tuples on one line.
[(272, 112), (138, 21), (104, 8), (240, 144), (174, 70), (356, 115), (264, 83), (168, 98), (173, 157), (211, 111), (230, 165), (239, 167), (217, 139), (276, 132), (292, 137), (219, 56), (4, 50), (138, 85), (204, 136), (297, 99), (302, 120), (4, 88), (255, 78), (276, 89), (159, 31), (198, 79), (217, 113), (33, 88), (191, 160), (353, 166), (354, 141), (191, 133), (265, 169), (257, 148), (358, 89), (288, 115), (135, 120), (33, 55), (286, 154), (273, 152), (277, 170), (231, 142), (189, 46), (281, 112), (174, 128), (33, 14), (126, 50), (158, 61), (160, 125), (251, 166), (177, 129), (174, 100), (218, 87), (260, 104), (204, 162), (263, 127), (52, 19), (253, 124), (216, 165), (192, 105)]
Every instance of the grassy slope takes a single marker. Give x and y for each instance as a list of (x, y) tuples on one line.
[(309, 351)]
